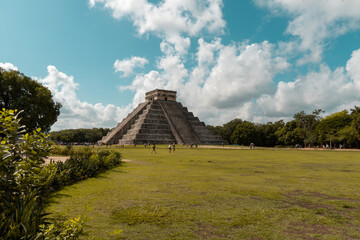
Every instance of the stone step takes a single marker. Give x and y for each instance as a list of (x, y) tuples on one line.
[(155, 121), (154, 136), (154, 131)]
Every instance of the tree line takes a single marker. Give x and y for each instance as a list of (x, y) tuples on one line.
[(79, 135), (308, 130)]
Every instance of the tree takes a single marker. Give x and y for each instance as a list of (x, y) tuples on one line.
[(267, 133), (226, 130), (355, 124), (245, 133), (79, 135), (306, 124), (329, 128), (20, 92), (290, 134)]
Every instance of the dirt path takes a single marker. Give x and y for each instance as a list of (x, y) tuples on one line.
[(63, 159), (55, 159)]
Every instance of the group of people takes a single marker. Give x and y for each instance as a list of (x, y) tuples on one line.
[(173, 147), (154, 148)]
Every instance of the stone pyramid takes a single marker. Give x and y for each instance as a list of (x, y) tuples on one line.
[(161, 120)]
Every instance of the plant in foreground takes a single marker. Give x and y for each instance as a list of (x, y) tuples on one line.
[(25, 184)]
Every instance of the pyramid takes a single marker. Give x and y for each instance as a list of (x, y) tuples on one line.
[(161, 120)]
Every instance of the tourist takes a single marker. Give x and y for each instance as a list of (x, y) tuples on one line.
[(169, 147), (153, 149), (173, 147)]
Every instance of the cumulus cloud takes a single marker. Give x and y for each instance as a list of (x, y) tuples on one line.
[(237, 81), (222, 84), (8, 66), (353, 69), (169, 19), (244, 72), (170, 75), (325, 89), (75, 113), (127, 66), (315, 22)]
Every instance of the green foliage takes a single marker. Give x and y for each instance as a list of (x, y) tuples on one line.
[(306, 130), (18, 91), (355, 125), (267, 132), (245, 133), (330, 126), (62, 150), (227, 129), (306, 124), (70, 229), (24, 182), (289, 134), (79, 135), (84, 163)]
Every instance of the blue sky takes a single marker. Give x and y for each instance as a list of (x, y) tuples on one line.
[(259, 60)]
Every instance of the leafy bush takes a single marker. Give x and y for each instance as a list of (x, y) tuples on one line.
[(60, 229), (62, 150), (26, 182), (84, 163)]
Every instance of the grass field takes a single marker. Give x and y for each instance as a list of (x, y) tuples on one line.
[(221, 194)]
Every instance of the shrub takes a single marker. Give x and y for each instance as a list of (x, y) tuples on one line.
[(84, 163), (62, 150), (24, 182)]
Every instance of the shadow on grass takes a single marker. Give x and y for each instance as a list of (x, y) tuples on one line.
[(56, 196), (103, 175)]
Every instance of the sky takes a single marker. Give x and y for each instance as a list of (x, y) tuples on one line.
[(257, 60)]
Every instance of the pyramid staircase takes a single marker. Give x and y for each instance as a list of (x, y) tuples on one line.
[(161, 121)]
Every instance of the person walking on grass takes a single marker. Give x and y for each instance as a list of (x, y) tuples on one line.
[(154, 149), (169, 147), (173, 147)]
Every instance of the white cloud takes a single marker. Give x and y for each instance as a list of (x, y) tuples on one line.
[(224, 82), (329, 90), (244, 72), (127, 66), (236, 81), (170, 75), (315, 22), (169, 19), (8, 66), (353, 69), (75, 113)]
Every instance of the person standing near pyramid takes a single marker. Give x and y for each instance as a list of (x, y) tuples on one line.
[(154, 149)]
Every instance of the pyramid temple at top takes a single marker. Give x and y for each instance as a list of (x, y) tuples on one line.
[(161, 120)]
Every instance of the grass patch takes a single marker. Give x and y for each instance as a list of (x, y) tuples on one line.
[(222, 194), (145, 214)]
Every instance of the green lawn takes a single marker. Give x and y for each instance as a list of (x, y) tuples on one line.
[(221, 194)]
